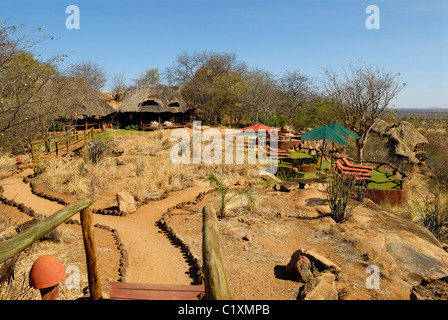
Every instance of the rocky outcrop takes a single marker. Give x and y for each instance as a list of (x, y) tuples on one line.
[(431, 289), (402, 136)]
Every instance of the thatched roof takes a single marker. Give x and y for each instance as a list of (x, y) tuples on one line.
[(156, 98), (77, 98)]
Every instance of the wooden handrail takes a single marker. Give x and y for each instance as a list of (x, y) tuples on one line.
[(215, 278), (24, 239)]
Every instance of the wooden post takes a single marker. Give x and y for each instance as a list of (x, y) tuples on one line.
[(67, 143), (32, 151), (57, 149), (90, 250), (216, 283)]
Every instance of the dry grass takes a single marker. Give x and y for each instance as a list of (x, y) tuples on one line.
[(78, 177), (7, 161), (17, 288), (154, 175)]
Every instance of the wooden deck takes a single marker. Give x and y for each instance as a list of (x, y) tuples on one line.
[(142, 291)]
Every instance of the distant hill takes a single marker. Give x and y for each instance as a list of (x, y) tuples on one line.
[(431, 110)]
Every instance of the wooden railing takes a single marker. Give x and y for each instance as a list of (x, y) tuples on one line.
[(215, 278), (24, 239), (66, 140)]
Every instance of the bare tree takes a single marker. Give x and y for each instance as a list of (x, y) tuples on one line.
[(90, 71), (296, 90), (361, 96), (118, 85), (259, 94)]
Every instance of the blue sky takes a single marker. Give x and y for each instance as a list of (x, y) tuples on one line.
[(130, 36)]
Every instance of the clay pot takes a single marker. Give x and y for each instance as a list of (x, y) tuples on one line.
[(46, 274)]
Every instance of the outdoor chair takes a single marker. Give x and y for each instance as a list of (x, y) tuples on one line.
[(349, 164)]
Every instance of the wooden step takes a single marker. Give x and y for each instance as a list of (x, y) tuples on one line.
[(143, 291)]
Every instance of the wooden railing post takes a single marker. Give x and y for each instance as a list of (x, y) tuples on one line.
[(91, 253), (216, 283)]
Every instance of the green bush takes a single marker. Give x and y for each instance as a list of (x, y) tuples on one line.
[(131, 127)]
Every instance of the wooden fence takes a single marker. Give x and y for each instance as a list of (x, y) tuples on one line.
[(24, 239), (63, 143)]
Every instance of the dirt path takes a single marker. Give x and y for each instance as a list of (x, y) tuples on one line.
[(152, 256), (15, 189)]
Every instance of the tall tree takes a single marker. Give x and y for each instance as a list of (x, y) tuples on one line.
[(206, 79), (259, 94), (360, 96), (150, 76), (90, 71), (26, 104)]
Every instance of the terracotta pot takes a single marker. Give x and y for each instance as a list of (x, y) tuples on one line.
[(46, 274)]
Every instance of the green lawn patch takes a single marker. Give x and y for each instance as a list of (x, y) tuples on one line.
[(380, 176)]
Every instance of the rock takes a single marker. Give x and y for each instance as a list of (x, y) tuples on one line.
[(319, 261), (320, 288), (240, 182), (289, 186), (247, 237), (403, 137), (300, 268), (280, 214), (270, 178), (126, 202), (120, 162), (430, 289)]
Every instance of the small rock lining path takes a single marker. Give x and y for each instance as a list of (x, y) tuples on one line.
[(153, 258)]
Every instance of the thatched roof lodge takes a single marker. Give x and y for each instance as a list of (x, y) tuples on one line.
[(77, 98), (154, 103)]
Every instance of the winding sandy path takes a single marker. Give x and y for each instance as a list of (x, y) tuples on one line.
[(152, 256)]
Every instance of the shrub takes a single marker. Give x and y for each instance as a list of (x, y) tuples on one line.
[(222, 188), (100, 149), (131, 127), (339, 190), (434, 215)]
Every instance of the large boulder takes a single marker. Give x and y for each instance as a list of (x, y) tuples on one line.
[(403, 136), (126, 202)]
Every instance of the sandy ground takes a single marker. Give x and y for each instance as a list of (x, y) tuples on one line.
[(152, 257)]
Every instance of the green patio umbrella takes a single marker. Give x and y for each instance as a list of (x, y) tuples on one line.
[(342, 131), (324, 133)]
